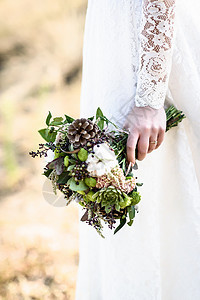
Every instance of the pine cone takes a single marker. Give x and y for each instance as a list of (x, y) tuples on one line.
[(81, 131)]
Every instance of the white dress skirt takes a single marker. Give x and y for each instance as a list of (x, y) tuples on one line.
[(158, 258)]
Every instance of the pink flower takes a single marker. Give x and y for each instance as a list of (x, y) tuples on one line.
[(117, 179)]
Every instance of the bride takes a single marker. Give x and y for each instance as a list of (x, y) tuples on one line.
[(138, 56)]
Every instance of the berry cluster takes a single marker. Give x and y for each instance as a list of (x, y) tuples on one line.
[(42, 151), (80, 172)]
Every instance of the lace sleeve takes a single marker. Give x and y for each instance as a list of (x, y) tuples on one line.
[(155, 52)]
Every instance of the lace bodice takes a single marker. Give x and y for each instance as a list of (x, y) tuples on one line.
[(155, 52)]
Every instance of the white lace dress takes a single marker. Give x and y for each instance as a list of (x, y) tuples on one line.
[(136, 52)]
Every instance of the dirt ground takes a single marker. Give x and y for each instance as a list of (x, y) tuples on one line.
[(40, 70)]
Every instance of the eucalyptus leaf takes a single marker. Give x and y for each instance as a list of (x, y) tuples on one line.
[(81, 186)]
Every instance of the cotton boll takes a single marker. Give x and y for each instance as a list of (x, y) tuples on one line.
[(101, 161)]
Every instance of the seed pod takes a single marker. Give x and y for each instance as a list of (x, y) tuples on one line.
[(57, 153), (82, 154), (91, 182)]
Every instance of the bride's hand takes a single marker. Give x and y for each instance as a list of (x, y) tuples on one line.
[(146, 125)]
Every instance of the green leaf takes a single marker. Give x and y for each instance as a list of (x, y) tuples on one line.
[(56, 164), (72, 161), (99, 114), (52, 136), (95, 195), (48, 118), (68, 119), (63, 178), (139, 184), (44, 134), (47, 135), (74, 155), (136, 197), (81, 186), (71, 148), (70, 167), (122, 223), (91, 118), (131, 211), (117, 207), (57, 121), (108, 209), (47, 173), (130, 222)]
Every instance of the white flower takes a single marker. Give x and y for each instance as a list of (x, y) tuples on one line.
[(50, 156), (102, 161)]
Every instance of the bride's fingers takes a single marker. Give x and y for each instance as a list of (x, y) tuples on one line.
[(152, 143), (160, 138), (143, 145), (131, 146)]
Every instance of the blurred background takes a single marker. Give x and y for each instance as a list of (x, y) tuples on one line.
[(40, 70)]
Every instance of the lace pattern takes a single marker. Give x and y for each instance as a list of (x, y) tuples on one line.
[(155, 52)]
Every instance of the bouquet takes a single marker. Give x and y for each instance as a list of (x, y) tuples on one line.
[(87, 163)]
